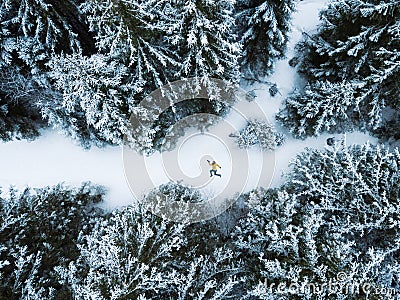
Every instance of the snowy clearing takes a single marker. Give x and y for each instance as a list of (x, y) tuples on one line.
[(54, 158)]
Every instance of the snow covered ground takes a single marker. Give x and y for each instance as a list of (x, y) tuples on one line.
[(54, 158)]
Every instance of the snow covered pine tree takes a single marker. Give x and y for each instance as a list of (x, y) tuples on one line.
[(322, 107), (259, 133), (39, 229), (100, 91), (357, 44), (204, 38), (338, 212), (31, 31), (136, 255), (142, 45), (263, 32)]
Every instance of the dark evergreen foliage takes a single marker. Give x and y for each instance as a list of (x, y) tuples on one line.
[(335, 214), (357, 43), (39, 231), (263, 32), (20, 116), (31, 32)]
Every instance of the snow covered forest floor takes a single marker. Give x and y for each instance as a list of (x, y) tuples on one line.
[(53, 158)]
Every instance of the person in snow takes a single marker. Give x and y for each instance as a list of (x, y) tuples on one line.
[(214, 167)]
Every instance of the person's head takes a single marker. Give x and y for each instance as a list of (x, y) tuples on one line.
[(213, 161)]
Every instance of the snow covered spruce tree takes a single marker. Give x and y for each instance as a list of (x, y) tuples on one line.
[(259, 133), (205, 40), (39, 229), (357, 190), (166, 40), (263, 32), (136, 255), (100, 91), (281, 243), (133, 32), (338, 212), (357, 42), (19, 94), (95, 103), (31, 32), (323, 107), (172, 201), (142, 45)]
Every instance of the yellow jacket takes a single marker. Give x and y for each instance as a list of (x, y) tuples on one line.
[(214, 166)]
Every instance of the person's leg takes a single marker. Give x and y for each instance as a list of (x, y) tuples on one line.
[(211, 173), (217, 174)]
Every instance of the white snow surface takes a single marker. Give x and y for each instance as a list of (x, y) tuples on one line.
[(53, 158)]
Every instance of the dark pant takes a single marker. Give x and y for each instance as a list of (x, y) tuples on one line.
[(215, 173)]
